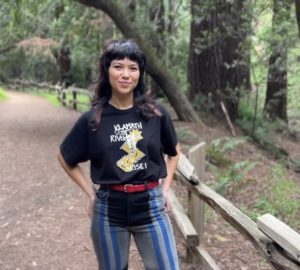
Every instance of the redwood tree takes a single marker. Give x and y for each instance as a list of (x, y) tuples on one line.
[(297, 3), (276, 96), (219, 56)]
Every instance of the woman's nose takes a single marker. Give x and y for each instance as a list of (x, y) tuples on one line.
[(125, 73)]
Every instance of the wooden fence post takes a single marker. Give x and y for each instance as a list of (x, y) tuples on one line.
[(64, 97), (195, 205), (196, 210), (74, 101)]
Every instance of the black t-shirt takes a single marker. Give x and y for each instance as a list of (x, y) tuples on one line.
[(126, 148)]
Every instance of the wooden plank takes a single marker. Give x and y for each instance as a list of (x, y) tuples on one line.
[(196, 205), (184, 225), (185, 167), (79, 90), (281, 233), (243, 224), (205, 259)]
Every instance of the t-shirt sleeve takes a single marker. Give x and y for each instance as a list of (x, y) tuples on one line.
[(167, 134), (74, 147)]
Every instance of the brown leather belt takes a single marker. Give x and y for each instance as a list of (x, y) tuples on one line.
[(129, 188)]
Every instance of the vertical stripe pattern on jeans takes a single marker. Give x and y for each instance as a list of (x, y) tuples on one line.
[(165, 230), (103, 233), (116, 247)]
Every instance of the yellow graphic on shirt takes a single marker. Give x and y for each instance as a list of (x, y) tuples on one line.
[(126, 163)]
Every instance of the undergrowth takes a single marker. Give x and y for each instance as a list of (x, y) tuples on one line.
[(281, 199), (230, 175), (3, 95), (261, 131)]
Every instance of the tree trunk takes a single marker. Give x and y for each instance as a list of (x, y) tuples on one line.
[(219, 57), (64, 64), (276, 96), (297, 3), (155, 68), (157, 18), (171, 15), (132, 9)]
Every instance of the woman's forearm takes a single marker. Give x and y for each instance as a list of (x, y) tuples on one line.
[(78, 176), (171, 163)]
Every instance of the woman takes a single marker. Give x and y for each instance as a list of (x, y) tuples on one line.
[(124, 135)]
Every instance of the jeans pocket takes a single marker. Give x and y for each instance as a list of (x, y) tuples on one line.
[(156, 201), (155, 193), (101, 199), (102, 194)]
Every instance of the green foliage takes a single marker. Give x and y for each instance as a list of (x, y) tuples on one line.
[(219, 147), (203, 104), (35, 67), (261, 130), (185, 134), (3, 95), (231, 179), (263, 42), (281, 198), (230, 175)]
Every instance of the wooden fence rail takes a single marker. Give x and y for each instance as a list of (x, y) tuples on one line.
[(283, 254), (73, 103), (60, 91)]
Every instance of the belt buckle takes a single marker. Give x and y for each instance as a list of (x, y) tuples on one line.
[(126, 186)]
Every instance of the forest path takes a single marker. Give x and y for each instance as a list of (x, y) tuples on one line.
[(43, 222)]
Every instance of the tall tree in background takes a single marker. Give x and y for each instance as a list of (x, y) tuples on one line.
[(219, 56), (297, 4), (157, 18), (276, 96)]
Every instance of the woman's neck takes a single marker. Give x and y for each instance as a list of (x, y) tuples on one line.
[(121, 103)]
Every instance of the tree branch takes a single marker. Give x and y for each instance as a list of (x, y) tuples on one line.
[(156, 70)]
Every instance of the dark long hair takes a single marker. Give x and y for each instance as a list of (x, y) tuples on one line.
[(117, 50)]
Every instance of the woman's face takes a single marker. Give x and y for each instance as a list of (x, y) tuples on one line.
[(123, 76)]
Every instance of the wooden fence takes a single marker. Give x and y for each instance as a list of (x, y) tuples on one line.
[(62, 92), (74, 102), (276, 242)]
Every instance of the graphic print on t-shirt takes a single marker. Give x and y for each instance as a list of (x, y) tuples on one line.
[(130, 133)]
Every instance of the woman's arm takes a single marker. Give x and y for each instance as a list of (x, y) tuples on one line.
[(77, 175), (171, 163)]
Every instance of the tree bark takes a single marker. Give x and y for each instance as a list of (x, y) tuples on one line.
[(297, 3), (219, 57), (276, 96), (155, 68), (157, 18), (171, 15)]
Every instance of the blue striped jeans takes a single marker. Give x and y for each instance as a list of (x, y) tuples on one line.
[(118, 215)]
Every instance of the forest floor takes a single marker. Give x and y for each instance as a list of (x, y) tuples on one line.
[(42, 218)]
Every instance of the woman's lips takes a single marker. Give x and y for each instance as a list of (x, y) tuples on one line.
[(125, 83)]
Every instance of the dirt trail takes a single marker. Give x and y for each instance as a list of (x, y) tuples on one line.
[(43, 223)]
